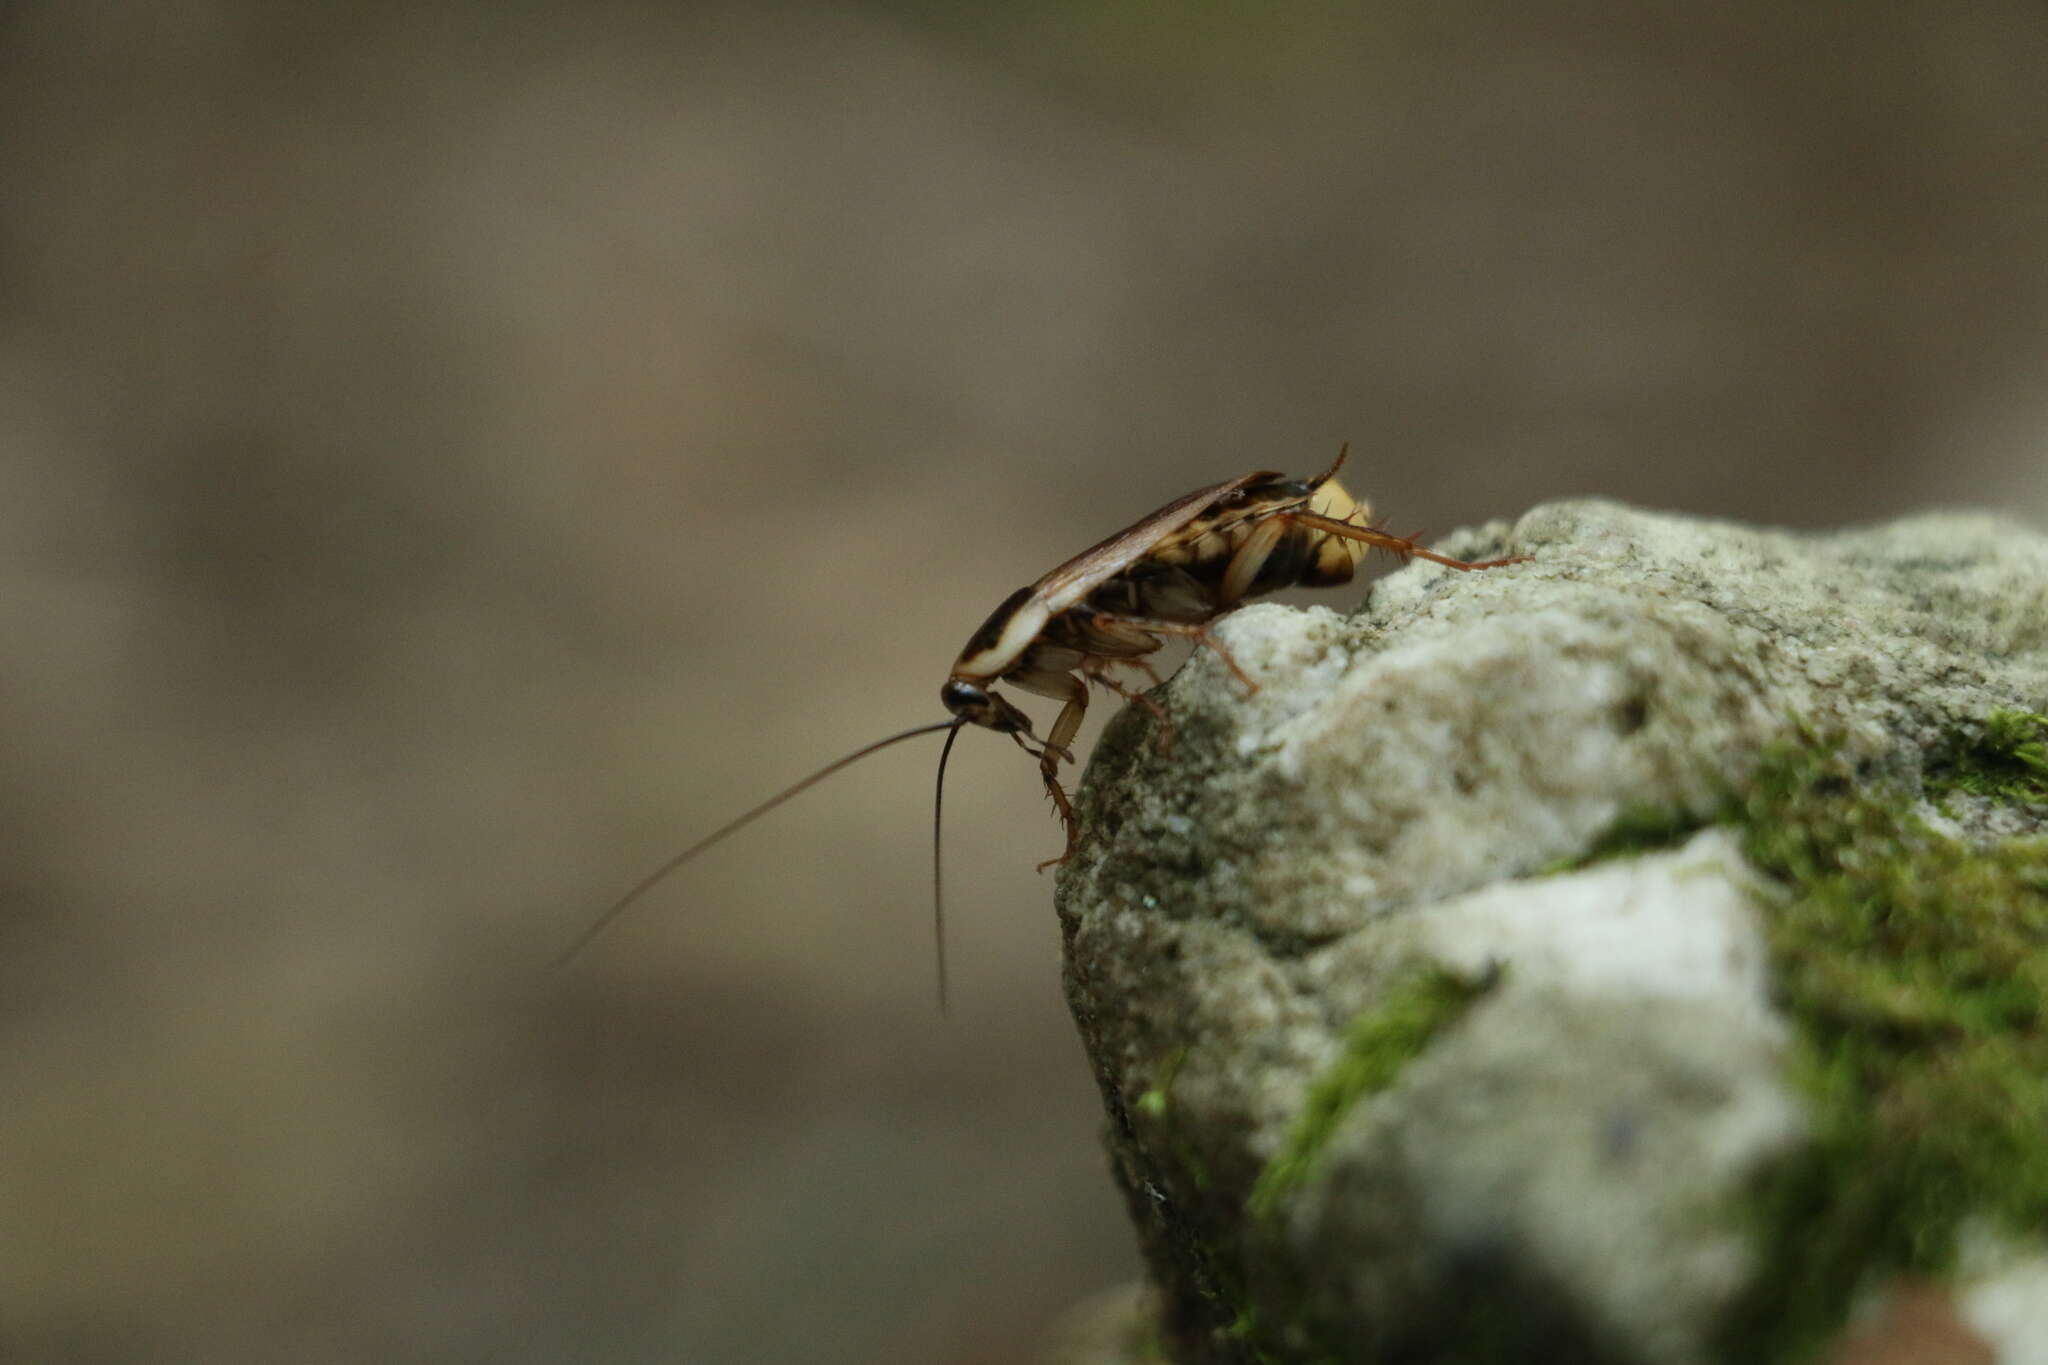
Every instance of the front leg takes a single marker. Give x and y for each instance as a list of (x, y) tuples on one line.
[(1068, 688)]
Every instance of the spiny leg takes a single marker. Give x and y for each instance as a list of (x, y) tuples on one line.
[(1047, 758), (1067, 688), (1382, 540), (1198, 633)]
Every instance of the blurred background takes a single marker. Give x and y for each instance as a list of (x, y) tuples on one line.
[(454, 455)]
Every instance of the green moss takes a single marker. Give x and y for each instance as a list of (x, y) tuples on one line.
[(1916, 970), (2007, 760), (1381, 1042), (1155, 1104), (1638, 829), (1158, 1099)]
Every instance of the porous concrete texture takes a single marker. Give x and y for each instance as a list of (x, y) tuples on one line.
[(1552, 1166)]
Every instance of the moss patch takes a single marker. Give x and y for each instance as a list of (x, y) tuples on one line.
[(1157, 1101), (1638, 829), (2006, 761), (1381, 1042), (1155, 1106), (1916, 969)]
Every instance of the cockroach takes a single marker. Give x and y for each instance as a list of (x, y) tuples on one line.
[(1168, 576)]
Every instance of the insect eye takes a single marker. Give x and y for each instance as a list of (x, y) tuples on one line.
[(963, 698)]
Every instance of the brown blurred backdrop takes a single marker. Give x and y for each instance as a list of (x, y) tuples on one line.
[(455, 454)]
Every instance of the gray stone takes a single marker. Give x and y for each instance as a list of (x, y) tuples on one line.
[(1549, 1177)]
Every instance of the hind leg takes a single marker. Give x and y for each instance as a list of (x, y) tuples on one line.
[(1401, 547)]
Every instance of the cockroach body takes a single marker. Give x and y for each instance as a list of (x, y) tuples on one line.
[(1168, 576)]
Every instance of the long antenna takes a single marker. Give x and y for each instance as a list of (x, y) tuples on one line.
[(938, 878), (648, 883)]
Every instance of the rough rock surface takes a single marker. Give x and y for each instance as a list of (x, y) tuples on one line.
[(1547, 1170)]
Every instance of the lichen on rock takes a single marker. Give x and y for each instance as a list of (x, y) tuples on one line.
[(1611, 804)]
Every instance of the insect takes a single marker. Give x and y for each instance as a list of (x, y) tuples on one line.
[(1168, 576)]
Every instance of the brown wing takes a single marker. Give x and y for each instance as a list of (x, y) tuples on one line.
[(1099, 563)]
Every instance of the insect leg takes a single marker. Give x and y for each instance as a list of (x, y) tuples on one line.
[(1103, 680), (1251, 557), (1195, 631), (1070, 689), (1382, 540)]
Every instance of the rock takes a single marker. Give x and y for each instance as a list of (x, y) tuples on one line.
[(1499, 981)]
